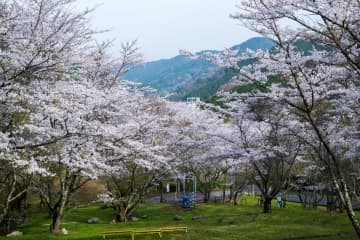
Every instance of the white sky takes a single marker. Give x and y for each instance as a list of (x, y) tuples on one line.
[(162, 27)]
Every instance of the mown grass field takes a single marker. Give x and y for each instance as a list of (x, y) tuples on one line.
[(224, 222)]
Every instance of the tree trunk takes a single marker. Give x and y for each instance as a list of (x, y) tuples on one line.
[(121, 211), (55, 222), (206, 199), (235, 198), (125, 208), (25, 206), (121, 216), (346, 202), (224, 194), (117, 218), (42, 202), (207, 191), (3, 217), (338, 178), (57, 213), (284, 202), (267, 205), (231, 193), (162, 200), (56, 216), (207, 195), (10, 198)]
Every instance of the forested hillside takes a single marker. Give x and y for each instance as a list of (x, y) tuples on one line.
[(190, 78)]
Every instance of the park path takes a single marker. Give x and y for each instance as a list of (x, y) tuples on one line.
[(217, 195)]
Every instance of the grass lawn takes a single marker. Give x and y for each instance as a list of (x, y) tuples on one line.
[(223, 222)]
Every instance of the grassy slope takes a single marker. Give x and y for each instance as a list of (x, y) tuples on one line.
[(224, 222)]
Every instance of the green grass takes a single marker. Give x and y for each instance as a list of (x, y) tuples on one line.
[(224, 222)]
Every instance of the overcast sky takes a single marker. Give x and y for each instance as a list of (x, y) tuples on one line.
[(162, 27)]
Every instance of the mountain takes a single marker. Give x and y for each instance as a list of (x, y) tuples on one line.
[(190, 78), (254, 44), (302, 46), (166, 75), (206, 87)]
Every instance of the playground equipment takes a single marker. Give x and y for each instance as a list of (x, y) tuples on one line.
[(186, 189)]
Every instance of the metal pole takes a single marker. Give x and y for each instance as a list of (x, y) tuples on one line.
[(177, 188), (184, 186), (195, 188)]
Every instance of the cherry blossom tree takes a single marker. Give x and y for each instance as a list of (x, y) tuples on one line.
[(13, 185), (265, 142), (240, 178), (136, 158), (41, 39), (62, 141), (58, 86), (320, 88), (203, 147), (163, 133)]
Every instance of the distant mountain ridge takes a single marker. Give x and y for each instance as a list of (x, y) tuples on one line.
[(168, 74), (254, 44), (186, 77)]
